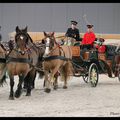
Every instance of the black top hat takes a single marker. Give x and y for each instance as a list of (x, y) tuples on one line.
[(89, 26), (74, 22)]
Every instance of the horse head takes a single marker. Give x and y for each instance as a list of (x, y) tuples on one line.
[(21, 39), (49, 41)]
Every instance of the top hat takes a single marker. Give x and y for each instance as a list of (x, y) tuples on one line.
[(89, 26), (74, 22)]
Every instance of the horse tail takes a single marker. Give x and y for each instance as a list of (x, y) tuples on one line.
[(3, 77)]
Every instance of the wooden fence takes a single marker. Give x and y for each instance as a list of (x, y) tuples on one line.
[(37, 36)]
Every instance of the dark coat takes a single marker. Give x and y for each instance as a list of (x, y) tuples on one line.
[(73, 33)]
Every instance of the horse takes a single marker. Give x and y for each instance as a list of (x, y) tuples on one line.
[(32, 74), (2, 64), (20, 61), (36, 53), (56, 58)]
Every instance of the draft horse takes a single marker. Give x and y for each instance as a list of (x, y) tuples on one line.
[(56, 58)]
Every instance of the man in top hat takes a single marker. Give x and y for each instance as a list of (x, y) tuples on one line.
[(73, 31), (89, 37)]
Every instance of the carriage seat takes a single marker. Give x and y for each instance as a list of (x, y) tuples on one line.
[(110, 51)]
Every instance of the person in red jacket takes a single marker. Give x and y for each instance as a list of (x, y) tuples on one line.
[(89, 37), (101, 48)]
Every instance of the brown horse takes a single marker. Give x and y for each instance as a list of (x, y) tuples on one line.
[(18, 62), (21, 60), (56, 58), (2, 64)]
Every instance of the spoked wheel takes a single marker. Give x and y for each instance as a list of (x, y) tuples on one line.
[(85, 78), (93, 75)]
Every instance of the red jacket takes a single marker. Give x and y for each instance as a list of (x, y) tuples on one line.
[(88, 38), (101, 49)]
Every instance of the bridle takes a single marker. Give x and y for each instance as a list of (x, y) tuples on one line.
[(54, 43)]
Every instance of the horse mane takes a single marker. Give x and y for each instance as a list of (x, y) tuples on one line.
[(30, 38)]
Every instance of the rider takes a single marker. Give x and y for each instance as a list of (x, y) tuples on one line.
[(89, 37), (73, 31)]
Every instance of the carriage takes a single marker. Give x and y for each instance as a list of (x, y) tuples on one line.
[(92, 63)]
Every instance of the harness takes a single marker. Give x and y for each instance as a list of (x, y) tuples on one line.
[(55, 57), (47, 58), (21, 60)]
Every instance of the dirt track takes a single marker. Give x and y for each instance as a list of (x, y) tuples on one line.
[(80, 99)]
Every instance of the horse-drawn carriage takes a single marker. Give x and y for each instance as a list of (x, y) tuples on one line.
[(92, 63), (56, 58)]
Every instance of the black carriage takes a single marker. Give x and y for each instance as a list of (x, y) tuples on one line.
[(89, 63)]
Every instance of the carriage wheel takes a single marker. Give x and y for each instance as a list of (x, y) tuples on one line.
[(85, 78), (93, 74)]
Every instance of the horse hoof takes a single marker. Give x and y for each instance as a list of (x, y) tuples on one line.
[(64, 87), (11, 98), (17, 94), (47, 90), (28, 94)]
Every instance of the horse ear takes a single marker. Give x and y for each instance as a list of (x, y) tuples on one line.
[(25, 30), (17, 29), (43, 41), (52, 33), (45, 34)]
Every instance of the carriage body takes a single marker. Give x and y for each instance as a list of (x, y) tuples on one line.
[(102, 63)]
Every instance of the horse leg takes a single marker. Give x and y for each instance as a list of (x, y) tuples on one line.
[(56, 81), (11, 96), (30, 81), (47, 83), (33, 79), (19, 87)]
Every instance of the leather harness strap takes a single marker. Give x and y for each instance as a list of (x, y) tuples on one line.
[(21, 60), (2, 60)]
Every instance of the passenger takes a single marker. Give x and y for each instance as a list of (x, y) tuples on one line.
[(89, 37), (73, 32), (100, 46)]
